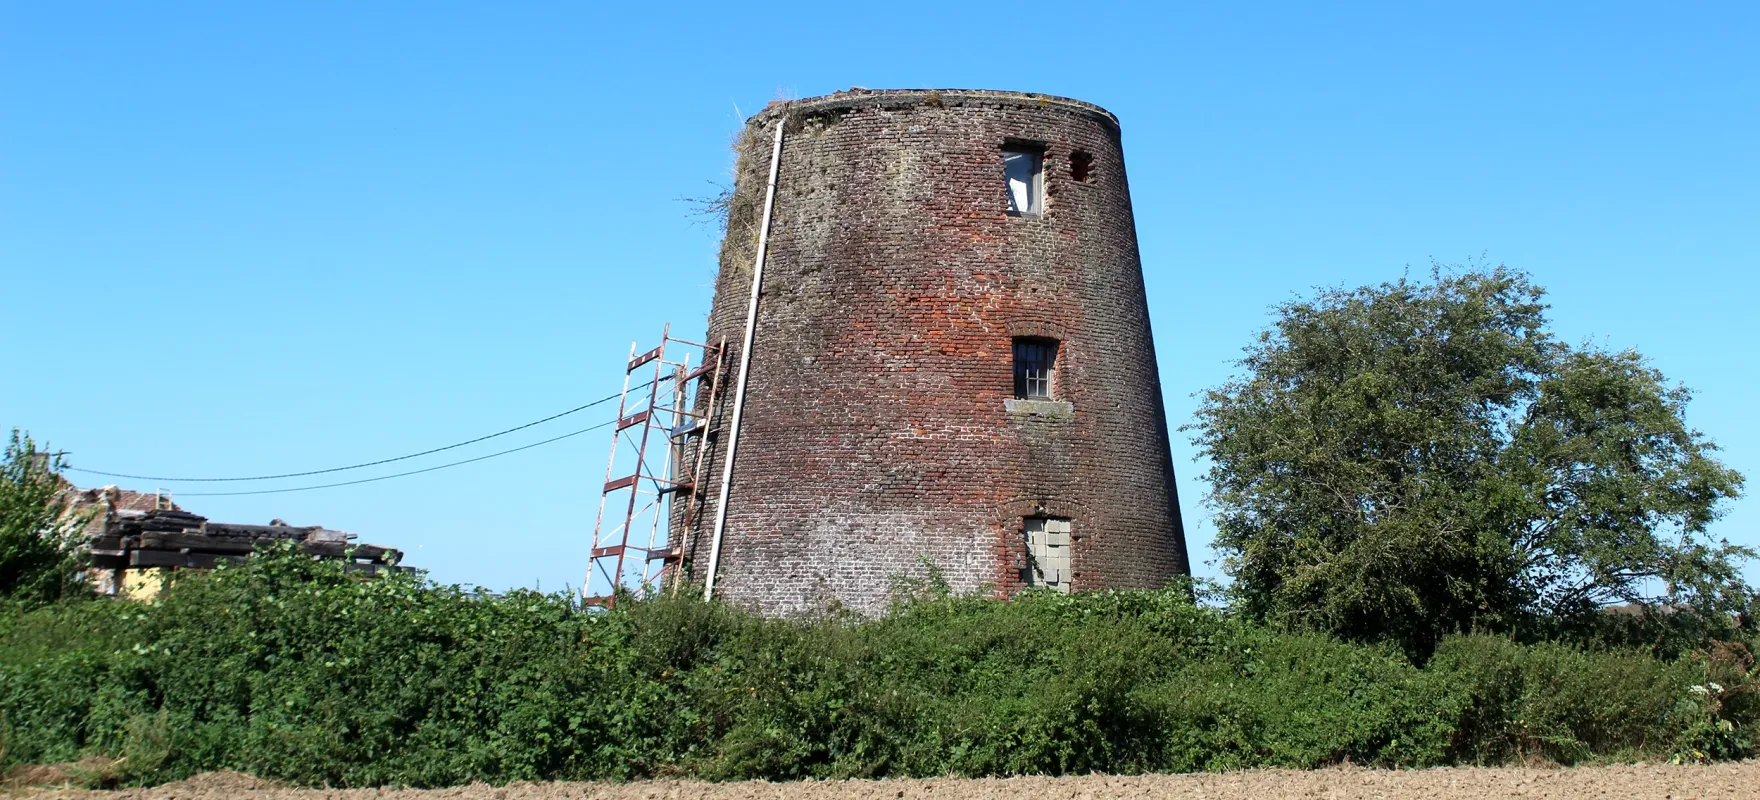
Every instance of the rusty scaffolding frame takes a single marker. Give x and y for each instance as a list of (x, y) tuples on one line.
[(646, 478)]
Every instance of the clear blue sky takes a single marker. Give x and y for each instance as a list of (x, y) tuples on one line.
[(238, 238)]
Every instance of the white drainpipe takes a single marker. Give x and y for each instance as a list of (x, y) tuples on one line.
[(745, 363)]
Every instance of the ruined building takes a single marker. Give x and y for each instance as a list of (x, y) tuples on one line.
[(951, 358), (135, 541)]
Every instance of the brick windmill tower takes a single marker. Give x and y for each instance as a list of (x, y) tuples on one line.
[(949, 358)]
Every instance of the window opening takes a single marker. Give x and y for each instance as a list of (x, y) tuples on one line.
[(1025, 169), (1035, 362), (1080, 165), (1048, 547)]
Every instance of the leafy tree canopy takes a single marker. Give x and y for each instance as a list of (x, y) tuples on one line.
[(37, 560), (1410, 459)]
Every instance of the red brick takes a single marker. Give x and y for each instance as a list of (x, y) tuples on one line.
[(875, 430)]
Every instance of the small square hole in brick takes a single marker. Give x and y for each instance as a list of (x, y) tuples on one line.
[(1080, 165)]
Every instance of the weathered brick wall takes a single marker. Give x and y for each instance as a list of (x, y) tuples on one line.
[(878, 431)]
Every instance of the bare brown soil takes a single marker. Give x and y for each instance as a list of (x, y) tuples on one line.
[(1738, 780)]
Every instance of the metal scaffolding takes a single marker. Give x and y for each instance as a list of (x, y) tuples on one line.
[(650, 491)]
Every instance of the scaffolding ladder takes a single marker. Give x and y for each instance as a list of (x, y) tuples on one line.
[(645, 476)]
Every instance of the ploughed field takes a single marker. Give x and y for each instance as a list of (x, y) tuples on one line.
[(1723, 780)]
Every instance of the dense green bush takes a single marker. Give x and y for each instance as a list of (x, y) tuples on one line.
[(290, 669), (38, 562)]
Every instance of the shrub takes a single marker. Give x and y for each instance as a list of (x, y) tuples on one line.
[(37, 558), (295, 670), (1556, 703)]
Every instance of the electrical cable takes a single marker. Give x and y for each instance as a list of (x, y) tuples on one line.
[(599, 401), (400, 474)]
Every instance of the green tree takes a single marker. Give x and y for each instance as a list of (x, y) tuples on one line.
[(38, 563), (1412, 459)]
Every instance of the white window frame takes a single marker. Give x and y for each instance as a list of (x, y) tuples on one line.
[(1026, 378), (1023, 171)]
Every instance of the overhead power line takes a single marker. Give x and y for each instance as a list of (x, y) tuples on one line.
[(597, 402), (400, 474)]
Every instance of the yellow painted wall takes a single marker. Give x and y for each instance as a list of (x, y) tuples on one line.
[(144, 584)]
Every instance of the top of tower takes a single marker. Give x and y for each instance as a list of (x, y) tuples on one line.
[(859, 97)]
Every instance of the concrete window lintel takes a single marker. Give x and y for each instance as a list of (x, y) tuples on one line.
[(1043, 409)]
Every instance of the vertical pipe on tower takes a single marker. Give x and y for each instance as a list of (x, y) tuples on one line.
[(745, 364)]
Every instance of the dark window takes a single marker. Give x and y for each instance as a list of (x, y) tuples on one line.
[(1080, 165), (1024, 168), (1034, 362)]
